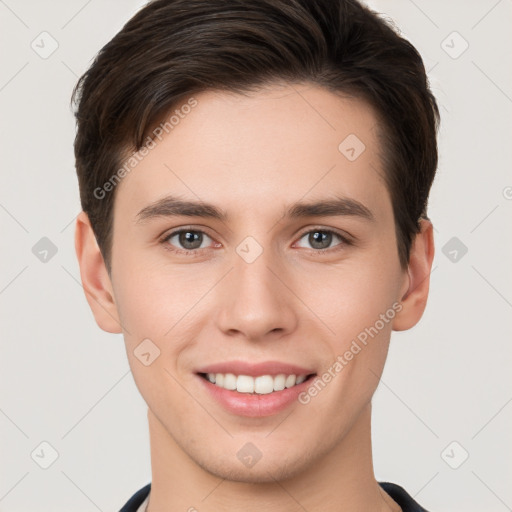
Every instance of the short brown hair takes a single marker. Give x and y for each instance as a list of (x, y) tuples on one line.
[(172, 49)]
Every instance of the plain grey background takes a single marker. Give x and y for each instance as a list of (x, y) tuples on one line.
[(442, 412)]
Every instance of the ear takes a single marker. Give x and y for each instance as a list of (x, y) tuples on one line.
[(95, 279), (414, 293)]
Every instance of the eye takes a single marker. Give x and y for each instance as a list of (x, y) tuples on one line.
[(187, 240), (321, 239)]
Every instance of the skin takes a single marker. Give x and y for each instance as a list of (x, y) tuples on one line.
[(254, 155)]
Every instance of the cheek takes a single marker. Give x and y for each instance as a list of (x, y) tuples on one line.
[(156, 309), (349, 299), (161, 310), (155, 300), (359, 309)]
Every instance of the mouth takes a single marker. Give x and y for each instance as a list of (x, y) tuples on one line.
[(256, 385), (254, 389)]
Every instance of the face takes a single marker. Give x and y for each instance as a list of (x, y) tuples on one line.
[(257, 285)]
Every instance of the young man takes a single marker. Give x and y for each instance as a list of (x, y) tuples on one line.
[(254, 178)]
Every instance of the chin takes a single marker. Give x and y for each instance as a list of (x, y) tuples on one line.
[(264, 471)]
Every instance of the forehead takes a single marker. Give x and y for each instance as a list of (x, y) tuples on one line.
[(261, 150)]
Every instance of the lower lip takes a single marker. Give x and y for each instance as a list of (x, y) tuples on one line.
[(255, 405)]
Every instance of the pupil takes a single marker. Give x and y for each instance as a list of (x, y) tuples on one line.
[(320, 239), (190, 239)]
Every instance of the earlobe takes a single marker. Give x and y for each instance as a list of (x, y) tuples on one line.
[(95, 279), (415, 295)]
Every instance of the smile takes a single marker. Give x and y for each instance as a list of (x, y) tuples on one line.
[(261, 384)]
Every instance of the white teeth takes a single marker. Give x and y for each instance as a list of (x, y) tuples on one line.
[(245, 384), (279, 381), (262, 385), (230, 381), (290, 381)]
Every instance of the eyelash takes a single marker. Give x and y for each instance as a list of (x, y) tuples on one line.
[(196, 252)]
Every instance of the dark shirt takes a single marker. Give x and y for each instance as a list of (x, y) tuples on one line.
[(399, 494)]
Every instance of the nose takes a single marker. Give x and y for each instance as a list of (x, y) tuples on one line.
[(256, 302)]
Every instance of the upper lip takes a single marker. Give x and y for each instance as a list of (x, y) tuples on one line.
[(255, 369)]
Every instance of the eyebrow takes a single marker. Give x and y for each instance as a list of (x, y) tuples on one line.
[(171, 206)]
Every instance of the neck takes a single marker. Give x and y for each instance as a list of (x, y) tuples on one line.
[(340, 480)]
